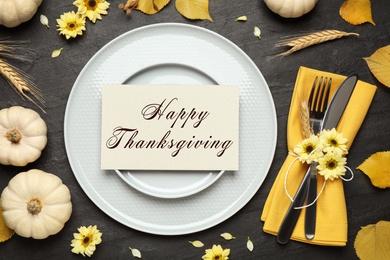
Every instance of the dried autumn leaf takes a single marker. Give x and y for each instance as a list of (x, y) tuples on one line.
[(136, 253), (227, 236), (241, 19), (372, 241), (151, 6), (356, 12), (249, 244), (194, 9), (376, 167), (5, 232), (56, 53), (196, 243), (379, 64)]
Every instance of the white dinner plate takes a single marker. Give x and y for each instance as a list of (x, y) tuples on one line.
[(170, 54)]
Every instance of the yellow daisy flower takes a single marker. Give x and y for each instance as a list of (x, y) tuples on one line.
[(332, 140), (86, 240), (309, 149), (332, 165), (216, 253), (92, 8), (71, 24)]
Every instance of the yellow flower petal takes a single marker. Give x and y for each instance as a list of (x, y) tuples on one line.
[(377, 168), (55, 54), (136, 253), (249, 244), (43, 19), (196, 243), (257, 32), (242, 18), (227, 236), (194, 9)]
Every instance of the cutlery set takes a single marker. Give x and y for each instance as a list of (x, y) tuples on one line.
[(322, 116)]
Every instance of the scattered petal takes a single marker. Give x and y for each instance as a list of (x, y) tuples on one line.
[(44, 20), (136, 253), (249, 244), (227, 236), (196, 243), (241, 18), (195, 9), (257, 32), (5, 232), (372, 241), (356, 12), (377, 168), (379, 64), (56, 53)]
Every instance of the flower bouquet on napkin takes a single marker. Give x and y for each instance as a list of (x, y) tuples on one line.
[(331, 220)]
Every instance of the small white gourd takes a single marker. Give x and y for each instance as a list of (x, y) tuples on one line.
[(291, 8), (36, 204), (15, 12)]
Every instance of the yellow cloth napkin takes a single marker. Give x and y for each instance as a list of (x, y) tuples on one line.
[(332, 225)]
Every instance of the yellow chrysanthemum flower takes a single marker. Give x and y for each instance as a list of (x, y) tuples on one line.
[(332, 165), (309, 149), (216, 252), (332, 140), (86, 240), (71, 24), (92, 8)]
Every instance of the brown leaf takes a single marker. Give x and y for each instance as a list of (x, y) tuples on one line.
[(379, 64), (194, 9), (356, 12), (377, 168), (372, 241), (151, 6), (5, 232)]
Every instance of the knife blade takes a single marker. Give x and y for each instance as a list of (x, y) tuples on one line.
[(331, 118)]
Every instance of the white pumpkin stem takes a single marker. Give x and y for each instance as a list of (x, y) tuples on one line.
[(13, 136), (34, 206)]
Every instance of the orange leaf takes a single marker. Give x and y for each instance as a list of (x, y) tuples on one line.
[(5, 232), (372, 241), (356, 12), (194, 9), (151, 6), (377, 168), (379, 64)]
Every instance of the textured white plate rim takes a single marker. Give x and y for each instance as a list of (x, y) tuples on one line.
[(179, 229)]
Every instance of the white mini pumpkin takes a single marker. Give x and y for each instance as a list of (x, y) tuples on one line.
[(36, 204), (22, 136), (15, 12), (291, 8)]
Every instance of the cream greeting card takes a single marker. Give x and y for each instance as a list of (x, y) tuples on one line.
[(164, 127)]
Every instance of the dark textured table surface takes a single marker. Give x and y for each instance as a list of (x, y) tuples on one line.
[(55, 77)]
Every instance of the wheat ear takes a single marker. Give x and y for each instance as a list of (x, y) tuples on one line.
[(21, 82), (304, 117), (299, 42)]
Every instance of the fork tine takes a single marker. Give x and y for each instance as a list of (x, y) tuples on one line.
[(326, 99), (313, 88)]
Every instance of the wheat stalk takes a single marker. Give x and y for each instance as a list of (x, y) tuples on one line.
[(299, 42), (304, 117), (21, 82)]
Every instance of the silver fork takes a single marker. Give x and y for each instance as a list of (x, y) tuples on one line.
[(318, 102)]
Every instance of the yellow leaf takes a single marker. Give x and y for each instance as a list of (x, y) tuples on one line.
[(151, 6), (372, 241), (377, 167), (5, 232), (356, 12), (196, 243), (379, 64), (194, 9)]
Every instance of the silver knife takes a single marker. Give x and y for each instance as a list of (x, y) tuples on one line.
[(331, 118)]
